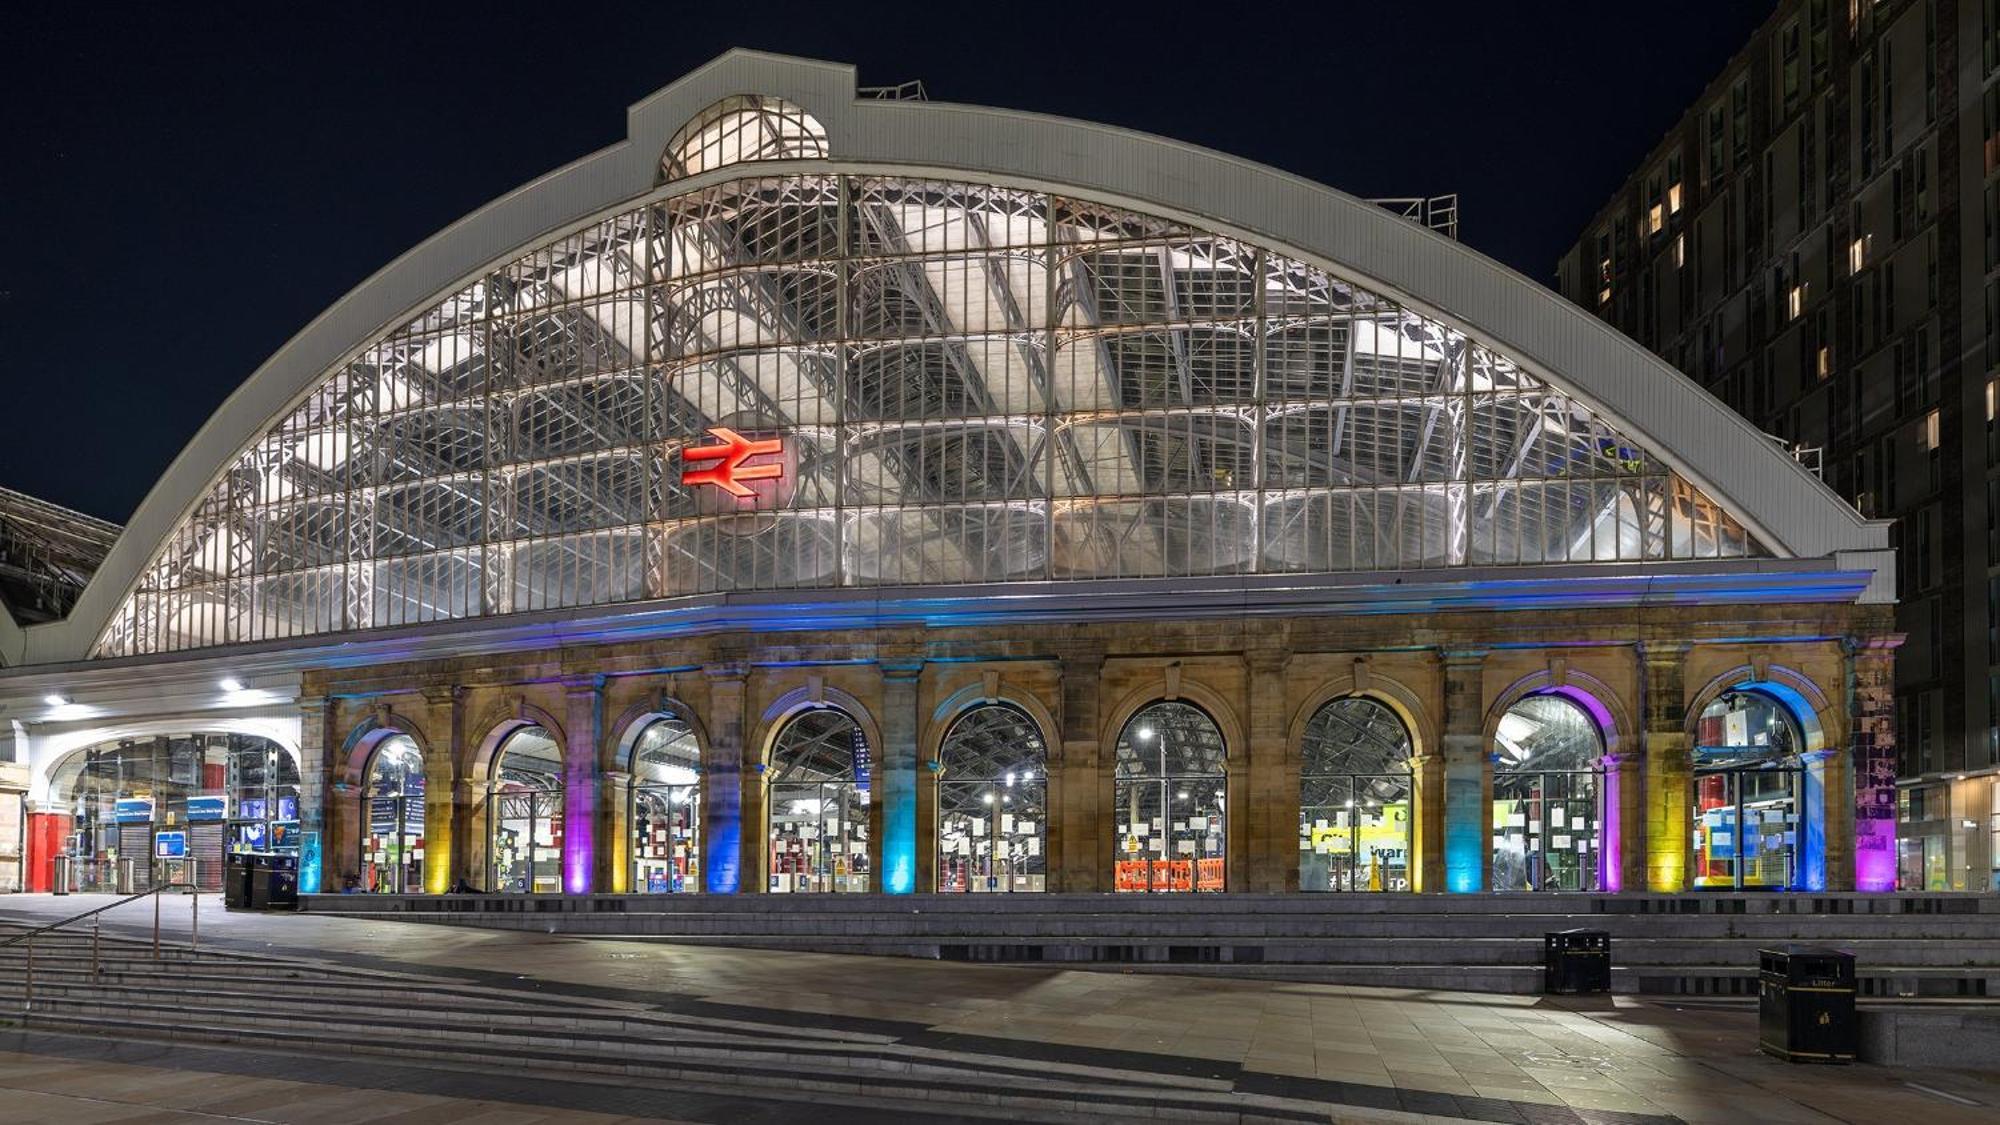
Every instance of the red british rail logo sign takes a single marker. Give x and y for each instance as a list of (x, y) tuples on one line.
[(724, 464)]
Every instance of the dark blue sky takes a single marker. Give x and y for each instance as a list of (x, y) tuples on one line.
[(185, 186)]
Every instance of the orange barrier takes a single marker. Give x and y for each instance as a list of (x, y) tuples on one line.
[(1168, 874), (1209, 874)]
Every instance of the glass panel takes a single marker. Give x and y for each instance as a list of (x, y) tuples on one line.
[(1748, 788), (665, 815), (1547, 829), (392, 855), (818, 805), (1171, 801), (970, 384), (525, 815), (992, 809), (1355, 802)]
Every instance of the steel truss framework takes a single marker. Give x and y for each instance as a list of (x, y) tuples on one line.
[(978, 384)]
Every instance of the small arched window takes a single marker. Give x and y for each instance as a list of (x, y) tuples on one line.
[(740, 130)]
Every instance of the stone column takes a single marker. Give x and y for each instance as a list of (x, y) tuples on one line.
[(316, 777), (1270, 796), (1468, 775), (732, 811), (445, 727), (583, 725), (1625, 834), (1427, 822), (1669, 768), (1871, 720), (340, 849), (1080, 836), (928, 768), (895, 780), (614, 838)]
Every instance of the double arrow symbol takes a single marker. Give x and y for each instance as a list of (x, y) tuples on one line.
[(730, 472)]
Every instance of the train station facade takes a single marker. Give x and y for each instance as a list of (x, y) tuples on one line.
[(821, 492)]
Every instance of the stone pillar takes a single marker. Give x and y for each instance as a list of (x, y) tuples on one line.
[(928, 769), (441, 772), (1625, 832), (1669, 768), (1427, 822), (1468, 775), (445, 727), (1080, 838), (614, 836), (1269, 797), (895, 780), (732, 810), (340, 849), (316, 777), (583, 725), (1871, 720)]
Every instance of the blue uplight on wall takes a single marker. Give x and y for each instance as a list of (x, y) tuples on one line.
[(723, 865)]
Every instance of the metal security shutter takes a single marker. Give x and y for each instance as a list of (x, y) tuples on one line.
[(135, 842), (205, 845)]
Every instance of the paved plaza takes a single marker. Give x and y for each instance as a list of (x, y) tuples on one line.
[(1695, 1061)]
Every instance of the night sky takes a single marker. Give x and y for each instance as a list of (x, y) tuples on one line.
[(184, 186)]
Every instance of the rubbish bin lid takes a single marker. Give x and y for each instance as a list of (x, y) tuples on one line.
[(1806, 951)]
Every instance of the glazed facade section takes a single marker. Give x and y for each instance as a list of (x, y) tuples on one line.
[(971, 384)]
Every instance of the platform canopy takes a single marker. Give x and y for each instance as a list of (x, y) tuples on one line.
[(958, 347)]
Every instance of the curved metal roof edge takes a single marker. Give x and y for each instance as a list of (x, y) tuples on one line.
[(1788, 508)]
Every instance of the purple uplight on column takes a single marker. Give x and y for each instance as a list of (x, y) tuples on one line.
[(579, 853)]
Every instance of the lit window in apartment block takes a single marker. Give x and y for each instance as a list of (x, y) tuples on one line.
[(1825, 366), (1680, 250), (1929, 435), (1674, 199), (1857, 254), (1795, 302), (1656, 218)]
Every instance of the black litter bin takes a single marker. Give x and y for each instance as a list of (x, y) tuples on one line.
[(274, 881), (1576, 961), (236, 869), (1805, 1004)]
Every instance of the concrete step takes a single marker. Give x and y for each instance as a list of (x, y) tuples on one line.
[(1043, 1090), (1210, 905)]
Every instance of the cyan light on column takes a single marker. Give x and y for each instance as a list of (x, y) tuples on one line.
[(899, 840), (1465, 842), (309, 863)]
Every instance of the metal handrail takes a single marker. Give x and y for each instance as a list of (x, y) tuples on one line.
[(97, 931), (21, 937)]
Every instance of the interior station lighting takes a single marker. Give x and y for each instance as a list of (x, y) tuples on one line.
[(56, 699), (231, 684)]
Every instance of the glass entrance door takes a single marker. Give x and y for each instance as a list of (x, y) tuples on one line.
[(1545, 832), (392, 860), (819, 838), (526, 845), (1746, 827)]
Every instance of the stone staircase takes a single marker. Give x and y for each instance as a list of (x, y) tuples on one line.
[(326, 1009), (1936, 945)]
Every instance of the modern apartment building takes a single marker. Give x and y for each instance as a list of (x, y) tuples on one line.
[(1815, 241)]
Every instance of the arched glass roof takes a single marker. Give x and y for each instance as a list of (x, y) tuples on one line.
[(969, 382), (739, 130)]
